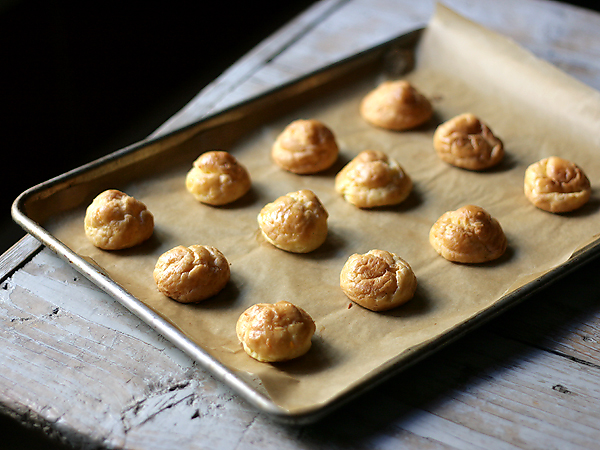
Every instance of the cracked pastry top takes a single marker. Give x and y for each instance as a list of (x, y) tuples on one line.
[(305, 147), (396, 105), (275, 332), (466, 142), (373, 179), (191, 274), (378, 280), (468, 235), (295, 222), (556, 185), (217, 178), (115, 221)]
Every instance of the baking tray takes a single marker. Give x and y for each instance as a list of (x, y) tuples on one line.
[(150, 170)]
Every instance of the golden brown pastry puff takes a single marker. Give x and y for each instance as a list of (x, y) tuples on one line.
[(468, 235), (556, 185), (466, 142), (275, 332), (305, 147), (295, 222), (191, 274), (217, 178), (378, 280), (372, 179), (115, 220), (396, 105)]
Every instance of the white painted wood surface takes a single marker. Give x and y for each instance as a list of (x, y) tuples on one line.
[(77, 364)]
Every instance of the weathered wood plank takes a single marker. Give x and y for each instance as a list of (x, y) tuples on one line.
[(18, 254), (563, 317), (564, 35), (78, 364), (238, 74), (485, 391)]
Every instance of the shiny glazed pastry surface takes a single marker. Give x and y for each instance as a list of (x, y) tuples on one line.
[(372, 179), (305, 147), (115, 221), (378, 280), (217, 178), (466, 142), (295, 222), (396, 105), (275, 332), (468, 235), (191, 274), (556, 185)]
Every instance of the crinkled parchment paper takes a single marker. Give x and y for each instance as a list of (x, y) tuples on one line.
[(535, 109)]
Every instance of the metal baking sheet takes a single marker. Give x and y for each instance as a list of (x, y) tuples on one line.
[(339, 366)]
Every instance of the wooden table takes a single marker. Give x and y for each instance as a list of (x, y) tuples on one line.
[(81, 367)]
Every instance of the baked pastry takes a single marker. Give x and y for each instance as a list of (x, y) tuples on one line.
[(305, 147), (115, 220), (556, 185), (468, 235), (466, 142), (378, 280), (295, 222), (275, 332), (396, 105), (191, 274), (217, 178), (372, 179)]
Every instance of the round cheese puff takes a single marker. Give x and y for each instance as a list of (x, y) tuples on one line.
[(115, 220), (275, 332), (191, 274), (396, 105), (556, 185), (468, 235), (305, 147), (295, 222), (372, 179), (466, 142), (378, 280), (217, 178)]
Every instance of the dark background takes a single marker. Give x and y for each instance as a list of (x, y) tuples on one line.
[(82, 79)]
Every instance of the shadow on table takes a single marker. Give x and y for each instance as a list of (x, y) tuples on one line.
[(16, 436), (534, 326)]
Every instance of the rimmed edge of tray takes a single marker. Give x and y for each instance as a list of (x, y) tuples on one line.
[(301, 86)]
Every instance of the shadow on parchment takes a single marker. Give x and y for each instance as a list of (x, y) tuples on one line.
[(469, 363)]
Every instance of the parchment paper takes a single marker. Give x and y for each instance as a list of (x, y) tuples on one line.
[(535, 109)]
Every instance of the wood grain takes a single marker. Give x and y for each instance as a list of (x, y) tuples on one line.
[(78, 365)]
